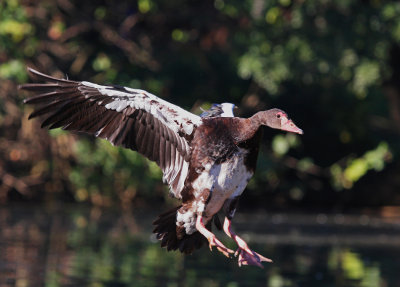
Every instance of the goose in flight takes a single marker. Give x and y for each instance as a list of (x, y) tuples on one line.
[(206, 161)]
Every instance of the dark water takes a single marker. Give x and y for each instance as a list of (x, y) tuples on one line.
[(69, 246)]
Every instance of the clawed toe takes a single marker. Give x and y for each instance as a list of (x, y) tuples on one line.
[(220, 247), (246, 255), (250, 258), (211, 238)]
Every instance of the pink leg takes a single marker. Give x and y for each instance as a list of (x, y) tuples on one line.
[(246, 255), (211, 237)]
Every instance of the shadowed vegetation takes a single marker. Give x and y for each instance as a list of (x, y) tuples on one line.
[(332, 65)]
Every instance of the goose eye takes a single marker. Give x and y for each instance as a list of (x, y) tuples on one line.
[(278, 116)]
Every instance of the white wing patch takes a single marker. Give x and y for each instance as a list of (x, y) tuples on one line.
[(227, 110), (176, 118)]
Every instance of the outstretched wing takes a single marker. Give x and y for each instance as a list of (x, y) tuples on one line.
[(126, 117)]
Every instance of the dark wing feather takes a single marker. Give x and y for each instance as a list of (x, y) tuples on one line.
[(126, 117)]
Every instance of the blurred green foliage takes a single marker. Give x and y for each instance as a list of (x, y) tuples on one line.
[(332, 65), (14, 28), (358, 167)]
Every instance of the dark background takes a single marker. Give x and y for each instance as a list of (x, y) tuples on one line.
[(334, 66)]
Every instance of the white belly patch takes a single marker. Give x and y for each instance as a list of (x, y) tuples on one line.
[(225, 180)]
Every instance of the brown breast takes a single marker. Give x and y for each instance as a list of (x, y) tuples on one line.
[(214, 142)]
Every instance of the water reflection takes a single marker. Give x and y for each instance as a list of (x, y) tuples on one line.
[(69, 246)]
